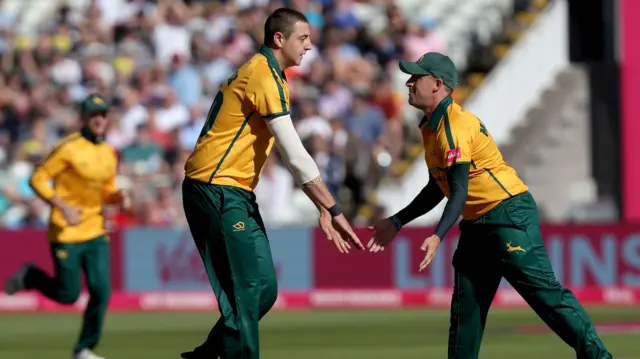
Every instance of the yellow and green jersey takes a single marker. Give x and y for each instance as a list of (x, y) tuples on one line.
[(83, 173), (454, 136), (235, 140)]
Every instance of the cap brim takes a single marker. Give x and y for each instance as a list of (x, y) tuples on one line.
[(93, 110), (412, 68)]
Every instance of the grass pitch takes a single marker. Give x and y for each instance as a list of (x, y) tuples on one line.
[(358, 334)]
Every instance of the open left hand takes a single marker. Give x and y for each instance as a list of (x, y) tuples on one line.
[(429, 246)]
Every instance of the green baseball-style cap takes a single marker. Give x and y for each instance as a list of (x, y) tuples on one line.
[(94, 103), (435, 64)]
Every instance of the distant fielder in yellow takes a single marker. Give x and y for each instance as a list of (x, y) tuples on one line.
[(83, 168), (250, 111)]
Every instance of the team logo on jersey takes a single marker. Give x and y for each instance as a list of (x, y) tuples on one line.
[(238, 227), (62, 254), (454, 154), (514, 249)]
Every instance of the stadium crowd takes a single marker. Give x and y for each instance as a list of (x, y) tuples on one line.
[(161, 62)]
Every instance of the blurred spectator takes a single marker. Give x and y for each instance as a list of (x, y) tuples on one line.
[(142, 155), (310, 123), (161, 62), (334, 172), (419, 40), (185, 81), (170, 36), (134, 114), (366, 121), (190, 132), (390, 104), (169, 113)]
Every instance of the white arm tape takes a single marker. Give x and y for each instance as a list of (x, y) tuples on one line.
[(299, 161)]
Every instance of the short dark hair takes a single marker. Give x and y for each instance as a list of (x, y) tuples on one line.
[(282, 20)]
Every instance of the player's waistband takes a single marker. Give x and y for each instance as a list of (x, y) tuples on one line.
[(526, 195), (249, 195)]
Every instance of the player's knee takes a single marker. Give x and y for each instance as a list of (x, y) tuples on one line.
[(100, 294), (68, 296)]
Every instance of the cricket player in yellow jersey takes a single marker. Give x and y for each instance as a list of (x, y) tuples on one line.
[(500, 231), (82, 168), (249, 114)]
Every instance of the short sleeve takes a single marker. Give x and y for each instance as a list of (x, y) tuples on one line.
[(459, 142), (267, 93)]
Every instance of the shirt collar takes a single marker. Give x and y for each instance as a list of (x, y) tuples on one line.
[(437, 114), (271, 60), (89, 136)]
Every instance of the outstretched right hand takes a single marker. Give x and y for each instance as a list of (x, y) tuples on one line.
[(341, 224), (338, 230), (326, 225)]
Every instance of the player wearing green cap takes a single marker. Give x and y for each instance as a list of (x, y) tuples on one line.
[(500, 231), (83, 170)]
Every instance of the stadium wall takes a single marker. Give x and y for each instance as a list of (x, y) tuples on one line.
[(160, 269), (630, 126)]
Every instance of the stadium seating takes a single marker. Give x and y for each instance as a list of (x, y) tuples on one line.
[(553, 137), (475, 33), (31, 13)]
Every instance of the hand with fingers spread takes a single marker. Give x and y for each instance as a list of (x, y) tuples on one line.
[(326, 225), (343, 227), (385, 231), (338, 230), (429, 246)]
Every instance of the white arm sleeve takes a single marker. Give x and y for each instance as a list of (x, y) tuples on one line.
[(299, 161)]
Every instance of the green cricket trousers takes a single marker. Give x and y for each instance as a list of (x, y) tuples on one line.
[(229, 233), (70, 260), (506, 242)]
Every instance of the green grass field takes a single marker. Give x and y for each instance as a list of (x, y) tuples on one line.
[(401, 334)]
